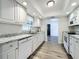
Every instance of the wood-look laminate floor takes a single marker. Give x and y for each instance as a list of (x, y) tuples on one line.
[(53, 39), (50, 51)]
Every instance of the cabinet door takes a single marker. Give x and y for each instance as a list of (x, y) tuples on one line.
[(23, 14), (11, 55), (4, 55), (20, 13), (42, 36), (77, 21), (36, 22), (35, 43), (7, 9), (76, 49), (16, 12), (72, 47), (76, 53)]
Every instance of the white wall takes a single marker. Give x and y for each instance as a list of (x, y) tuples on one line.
[(63, 26), (54, 26)]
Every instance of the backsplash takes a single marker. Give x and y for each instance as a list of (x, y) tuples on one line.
[(9, 28)]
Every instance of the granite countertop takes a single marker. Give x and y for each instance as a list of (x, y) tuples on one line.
[(5, 38)]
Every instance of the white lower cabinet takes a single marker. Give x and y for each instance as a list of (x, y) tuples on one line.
[(21, 49), (77, 54), (37, 40), (74, 48), (9, 55), (34, 43), (10, 52)]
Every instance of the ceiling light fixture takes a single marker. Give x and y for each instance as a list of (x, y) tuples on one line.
[(50, 3), (24, 3), (74, 4)]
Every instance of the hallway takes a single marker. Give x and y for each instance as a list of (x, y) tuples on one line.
[(53, 39), (50, 51)]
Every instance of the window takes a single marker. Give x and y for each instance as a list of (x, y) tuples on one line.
[(28, 24)]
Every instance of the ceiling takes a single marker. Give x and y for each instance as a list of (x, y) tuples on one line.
[(60, 8)]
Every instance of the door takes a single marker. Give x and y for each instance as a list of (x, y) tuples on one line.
[(48, 29)]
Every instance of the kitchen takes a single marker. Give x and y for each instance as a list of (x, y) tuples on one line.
[(23, 29)]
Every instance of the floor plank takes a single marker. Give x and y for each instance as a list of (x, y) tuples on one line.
[(50, 51)]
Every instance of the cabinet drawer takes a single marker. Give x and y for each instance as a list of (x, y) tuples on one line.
[(9, 46)]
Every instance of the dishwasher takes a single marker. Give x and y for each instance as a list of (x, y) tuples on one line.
[(25, 48)]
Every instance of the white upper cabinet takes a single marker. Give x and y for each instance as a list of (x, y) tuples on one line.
[(23, 14), (74, 17), (36, 22), (12, 12), (7, 9), (77, 21), (16, 12), (20, 13)]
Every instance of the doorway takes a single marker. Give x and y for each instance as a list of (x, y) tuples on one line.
[(52, 30), (48, 29)]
